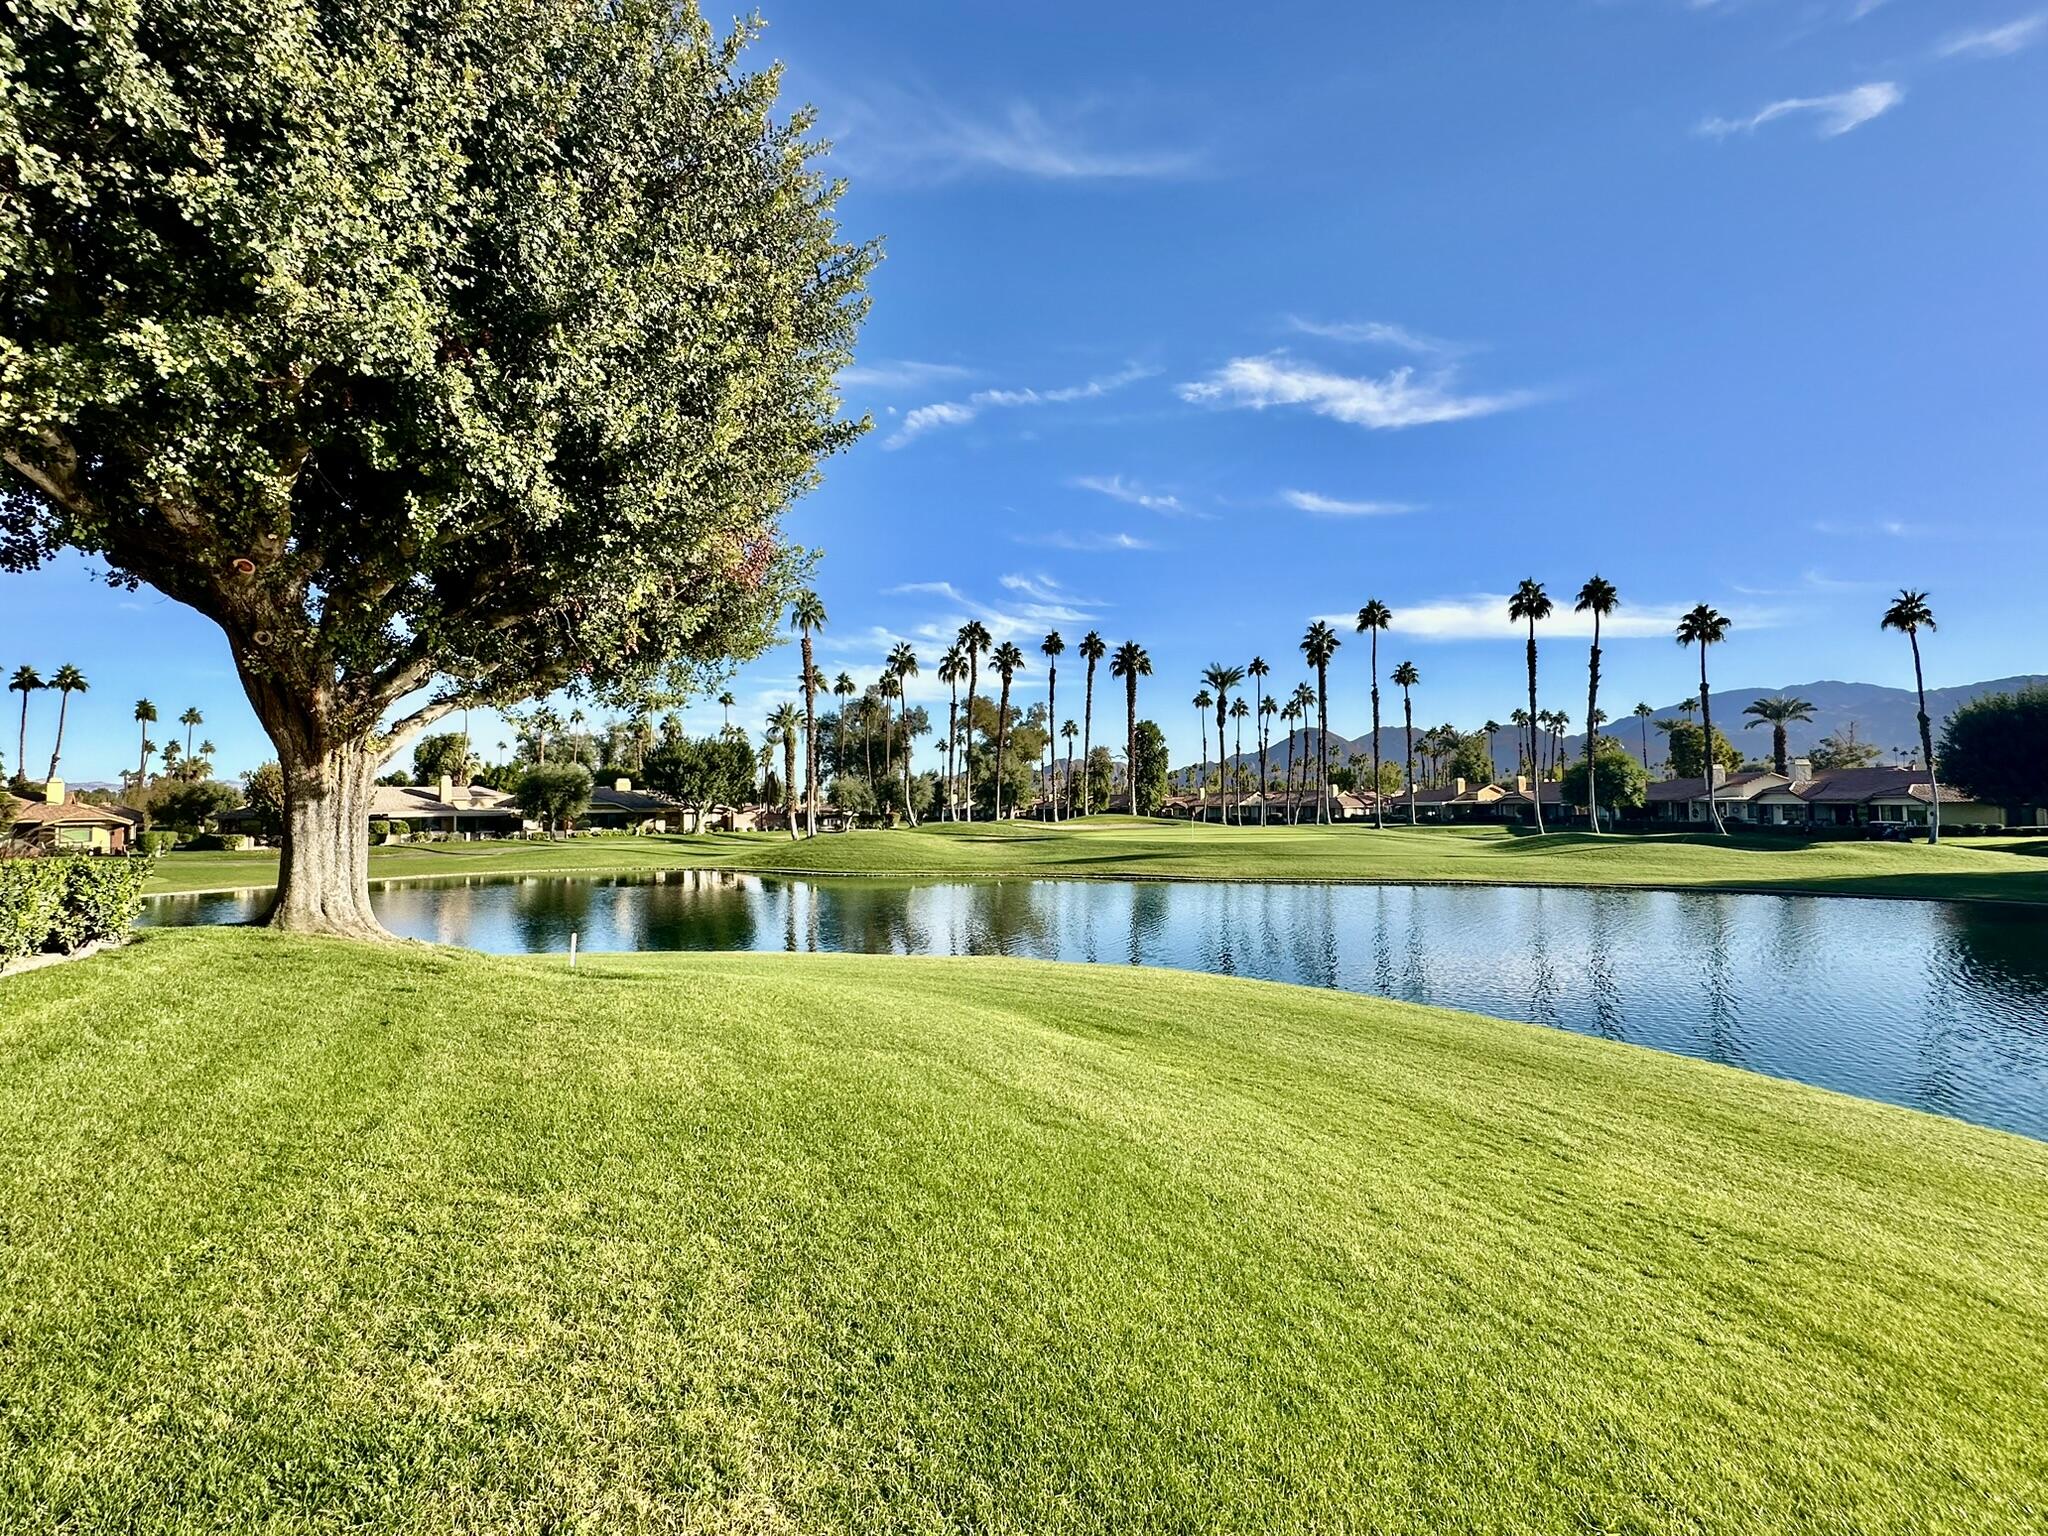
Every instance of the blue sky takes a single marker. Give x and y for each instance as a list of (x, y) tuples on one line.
[(1195, 325)]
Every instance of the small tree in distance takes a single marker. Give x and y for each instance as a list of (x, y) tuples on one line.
[(554, 795)]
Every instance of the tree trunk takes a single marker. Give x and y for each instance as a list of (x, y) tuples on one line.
[(1926, 744), (1707, 728), (57, 751), (1593, 727), (1408, 747), (1052, 726), (967, 744), (1087, 731), (1322, 744), (1535, 755), (323, 884), (1379, 815), (810, 740)]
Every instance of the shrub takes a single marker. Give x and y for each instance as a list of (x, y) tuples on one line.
[(65, 903), (401, 828), (154, 843), (380, 829)]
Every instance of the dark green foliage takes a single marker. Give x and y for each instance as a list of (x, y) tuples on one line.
[(1473, 761), (63, 904), (1844, 749), (446, 752), (190, 802), (1687, 752), (1623, 782), (1996, 748), (1148, 773), (555, 794)]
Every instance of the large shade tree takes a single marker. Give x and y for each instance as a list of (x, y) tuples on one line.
[(438, 354)]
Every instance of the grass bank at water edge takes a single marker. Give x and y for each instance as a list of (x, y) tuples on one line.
[(298, 1235)]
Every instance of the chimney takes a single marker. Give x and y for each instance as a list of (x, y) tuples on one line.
[(622, 786), (1457, 786), (1717, 776), (53, 792), (1521, 783), (1802, 770), (445, 790)]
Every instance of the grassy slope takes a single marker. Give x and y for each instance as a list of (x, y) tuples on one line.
[(1119, 846), (774, 1243)]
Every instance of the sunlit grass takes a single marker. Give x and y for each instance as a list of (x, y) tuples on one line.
[(304, 1235)]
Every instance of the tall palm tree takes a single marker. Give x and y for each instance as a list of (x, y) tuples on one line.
[(1268, 708), (1053, 647), (1643, 712), (1257, 670), (145, 716), (726, 702), (1239, 710), (1223, 679), (1068, 731), (1703, 627), (1909, 614), (1131, 663), (952, 667), (1202, 701), (1304, 711), (67, 680), (190, 718), (843, 688), (1092, 650), (1319, 644), (26, 680), (1008, 662), (1290, 712), (1373, 618), (1405, 677), (973, 638), (887, 686), (1598, 598), (903, 667), (783, 726), (1492, 729), (1778, 712), (807, 617), (1531, 603)]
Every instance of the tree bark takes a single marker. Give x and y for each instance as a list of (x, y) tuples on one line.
[(1926, 744), (1593, 728), (1535, 752), (1707, 729), (323, 882), (1087, 730)]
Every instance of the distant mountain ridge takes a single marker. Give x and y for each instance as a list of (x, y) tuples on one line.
[(1885, 717)]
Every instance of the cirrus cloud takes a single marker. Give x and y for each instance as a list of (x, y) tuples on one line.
[(1838, 114), (1393, 401)]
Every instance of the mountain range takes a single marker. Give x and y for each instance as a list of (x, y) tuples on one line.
[(1882, 716)]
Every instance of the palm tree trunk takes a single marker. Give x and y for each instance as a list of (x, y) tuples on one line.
[(1379, 815), (1926, 744), (1535, 762), (1289, 802), (1322, 744), (903, 722), (789, 779), (1593, 726), (1052, 750), (952, 760), (1087, 732), (1131, 741), (1408, 731), (57, 751), (1265, 735), (1070, 774), (1707, 726), (1002, 744), (810, 741), (967, 738)]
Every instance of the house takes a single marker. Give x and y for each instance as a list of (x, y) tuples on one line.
[(1831, 798), (61, 824), (624, 808), (471, 810), (1458, 800), (1519, 803)]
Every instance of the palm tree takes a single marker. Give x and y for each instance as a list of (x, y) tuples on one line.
[(67, 680), (783, 726), (1532, 603), (1406, 677), (1238, 711), (1008, 662), (1092, 650), (1643, 712), (1492, 729), (145, 716), (1131, 663), (1202, 701), (726, 702), (1053, 648), (952, 667), (902, 668), (1598, 598), (973, 638), (807, 617), (1268, 708), (190, 718), (1779, 712), (1909, 614), (1319, 644), (843, 688), (1290, 712), (1372, 618), (1257, 670), (26, 680), (1223, 679), (1703, 627), (1068, 731), (1304, 711)]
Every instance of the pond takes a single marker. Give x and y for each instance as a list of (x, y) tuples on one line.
[(1939, 1006)]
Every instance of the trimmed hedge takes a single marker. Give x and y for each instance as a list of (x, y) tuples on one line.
[(153, 843), (62, 904)]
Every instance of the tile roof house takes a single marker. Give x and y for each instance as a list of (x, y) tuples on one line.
[(72, 826), (1839, 797)]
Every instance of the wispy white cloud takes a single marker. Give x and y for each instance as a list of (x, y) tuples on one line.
[(1085, 543), (1041, 588), (957, 413), (1484, 616), (1398, 399), (1995, 42), (902, 373), (1117, 488), (1379, 333), (1319, 505), (1813, 580), (1837, 114), (913, 138)]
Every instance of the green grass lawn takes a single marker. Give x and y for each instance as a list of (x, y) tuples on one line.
[(1119, 846), (297, 1234)]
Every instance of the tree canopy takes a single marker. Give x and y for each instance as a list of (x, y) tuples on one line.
[(439, 353), (1995, 748)]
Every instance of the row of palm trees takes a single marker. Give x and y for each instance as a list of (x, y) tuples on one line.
[(182, 762), (1699, 629)]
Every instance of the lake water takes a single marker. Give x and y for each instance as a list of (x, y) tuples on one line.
[(1939, 1006)]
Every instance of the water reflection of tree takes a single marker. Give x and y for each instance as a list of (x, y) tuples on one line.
[(1989, 977), (1009, 918), (1607, 911), (1717, 980), (1542, 975), (1150, 911)]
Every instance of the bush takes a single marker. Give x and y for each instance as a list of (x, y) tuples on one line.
[(380, 829), (154, 843), (65, 903), (401, 828), (218, 842)]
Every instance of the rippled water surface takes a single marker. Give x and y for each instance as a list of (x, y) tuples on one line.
[(1942, 1007)]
